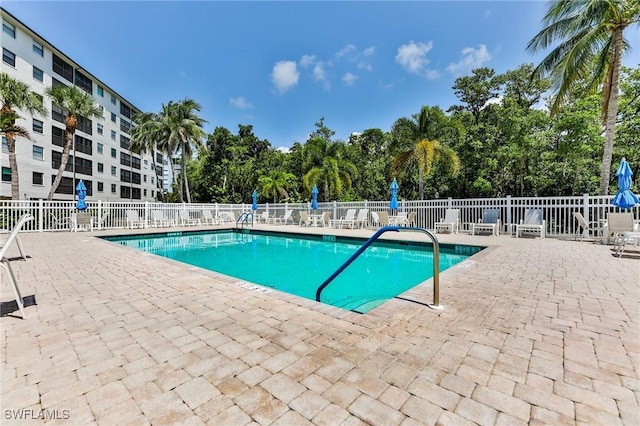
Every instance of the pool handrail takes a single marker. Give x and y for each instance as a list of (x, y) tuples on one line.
[(243, 218), (436, 261)]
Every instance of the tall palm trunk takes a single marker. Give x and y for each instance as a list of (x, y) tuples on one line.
[(611, 111), (13, 164), (421, 183), (185, 182), (71, 122)]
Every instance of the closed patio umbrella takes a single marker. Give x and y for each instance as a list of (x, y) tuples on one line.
[(625, 199), (254, 198), (81, 190), (393, 205), (314, 198)]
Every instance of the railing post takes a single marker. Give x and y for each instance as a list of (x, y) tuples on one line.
[(449, 203), (146, 213), (509, 215), (100, 212), (41, 213), (586, 207), (335, 209)]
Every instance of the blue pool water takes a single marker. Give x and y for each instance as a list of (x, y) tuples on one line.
[(299, 265)]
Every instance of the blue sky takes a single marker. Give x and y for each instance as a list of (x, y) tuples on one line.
[(281, 66)]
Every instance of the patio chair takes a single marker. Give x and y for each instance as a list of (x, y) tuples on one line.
[(588, 228), (383, 218), (411, 219), (81, 221), (263, 218), (348, 217), (624, 239), (533, 223), (133, 219), (227, 217), (362, 218), (618, 223), (326, 218), (5, 262), (101, 221), (375, 220), (287, 217), (450, 222), (490, 222), (208, 218), (186, 220), (304, 218), (159, 220)]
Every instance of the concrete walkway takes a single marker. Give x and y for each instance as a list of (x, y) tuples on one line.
[(533, 331)]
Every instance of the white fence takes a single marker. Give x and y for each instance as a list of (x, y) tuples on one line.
[(557, 211)]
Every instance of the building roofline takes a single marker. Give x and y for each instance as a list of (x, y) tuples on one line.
[(26, 28)]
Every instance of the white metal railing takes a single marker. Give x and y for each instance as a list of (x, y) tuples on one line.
[(557, 211)]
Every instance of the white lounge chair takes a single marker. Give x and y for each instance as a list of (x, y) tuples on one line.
[(362, 219), (133, 220), (304, 218), (533, 223), (263, 218), (348, 219), (383, 219), (490, 222), (186, 220), (375, 220), (588, 229), (283, 219), (617, 224), (159, 220), (208, 218), (5, 262), (450, 222)]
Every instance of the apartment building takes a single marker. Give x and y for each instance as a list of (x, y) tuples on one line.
[(100, 155)]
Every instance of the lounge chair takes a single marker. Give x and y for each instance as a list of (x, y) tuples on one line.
[(375, 220), (5, 262), (617, 224), (208, 218), (263, 218), (532, 223), (159, 220), (133, 220), (186, 220), (624, 239), (304, 218), (284, 219), (349, 217), (411, 219), (326, 218), (490, 222), (81, 221), (383, 219), (406, 219), (588, 228), (450, 222), (227, 217), (362, 218)]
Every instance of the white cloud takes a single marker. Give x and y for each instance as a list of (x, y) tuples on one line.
[(240, 103), (345, 50), (369, 51), (349, 78), (413, 58), (284, 149), (318, 72), (471, 59), (307, 60), (285, 75)]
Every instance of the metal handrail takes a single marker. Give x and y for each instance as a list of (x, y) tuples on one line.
[(244, 216), (374, 237)]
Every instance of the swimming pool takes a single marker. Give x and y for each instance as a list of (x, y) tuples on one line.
[(299, 263)]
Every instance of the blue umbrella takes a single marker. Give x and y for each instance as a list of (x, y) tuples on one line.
[(394, 195), (254, 197), (314, 198), (625, 199), (81, 190)]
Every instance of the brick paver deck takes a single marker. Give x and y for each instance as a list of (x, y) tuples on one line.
[(533, 331)]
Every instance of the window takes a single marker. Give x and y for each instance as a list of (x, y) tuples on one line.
[(125, 159), (5, 144), (84, 82), (85, 125), (144, 178), (57, 136), (38, 126), (100, 186), (145, 192), (8, 57), (38, 49), (83, 165), (100, 168), (113, 100), (57, 113), (6, 174), (114, 188), (100, 148), (38, 152), (100, 93), (38, 74), (113, 152), (152, 180), (113, 135), (125, 142), (9, 29), (83, 145), (101, 109), (146, 164), (37, 179), (125, 110), (113, 117), (100, 129), (114, 171), (125, 126), (62, 68)]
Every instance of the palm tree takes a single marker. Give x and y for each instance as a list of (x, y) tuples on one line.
[(426, 154), (177, 128), (326, 166), (14, 95), (276, 183), (588, 56), (423, 132), (76, 104), (145, 137)]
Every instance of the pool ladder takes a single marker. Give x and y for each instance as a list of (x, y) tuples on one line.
[(244, 219), (436, 261)]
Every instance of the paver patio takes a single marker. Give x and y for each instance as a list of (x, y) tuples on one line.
[(532, 332)]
